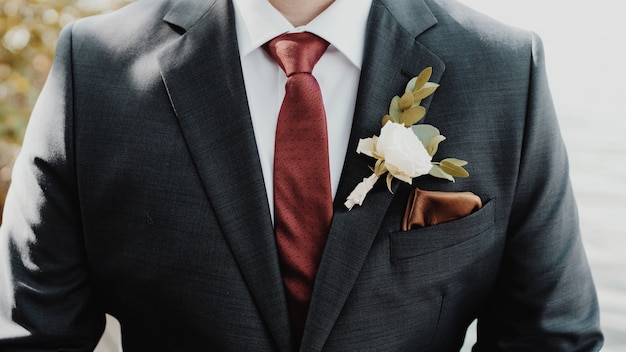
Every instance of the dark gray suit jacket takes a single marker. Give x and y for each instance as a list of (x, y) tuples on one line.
[(139, 193)]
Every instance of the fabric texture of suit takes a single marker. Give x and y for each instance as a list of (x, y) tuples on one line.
[(139, 193)]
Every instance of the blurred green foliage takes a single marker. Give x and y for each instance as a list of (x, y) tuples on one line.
[(29, 31), (28, 35)]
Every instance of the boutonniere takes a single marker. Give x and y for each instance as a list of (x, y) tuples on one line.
[(404, 150)]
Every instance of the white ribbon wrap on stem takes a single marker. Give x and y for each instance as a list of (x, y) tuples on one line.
[(360, 191)]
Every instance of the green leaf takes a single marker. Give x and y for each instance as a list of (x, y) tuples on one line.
[(412, 116), (450, 167), (387, 118), (433, 144), (406, 101), (380, 168), (438, 172), (425, 133), (394, 110), (428, 89), (410, 86), (422, 78), (455, 161)]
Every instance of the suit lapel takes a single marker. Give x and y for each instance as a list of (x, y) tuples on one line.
[(393, 56), (208, 96)]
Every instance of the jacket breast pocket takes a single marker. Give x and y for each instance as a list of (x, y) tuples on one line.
[(413, 243)]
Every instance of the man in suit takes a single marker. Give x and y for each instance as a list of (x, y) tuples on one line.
[(143, 189)]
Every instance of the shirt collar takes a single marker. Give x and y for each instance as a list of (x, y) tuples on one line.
[(342, 24)]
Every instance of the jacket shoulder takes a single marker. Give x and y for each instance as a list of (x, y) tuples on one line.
[(473, 29), (131, 28)]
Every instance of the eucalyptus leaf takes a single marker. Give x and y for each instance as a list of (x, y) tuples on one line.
[(422, 78), (412, 116), (436, 171), (433, 144), (380, 167), (455, 161), (394, 110), (425, 133), (428, 89), (406, 101), (410, 86), (452, 169), (379, 163), (386, 119)]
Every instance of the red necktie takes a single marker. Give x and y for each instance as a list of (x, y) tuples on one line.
[(302, 191)]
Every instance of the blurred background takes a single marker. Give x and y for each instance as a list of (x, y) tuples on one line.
[(585, 44), (28, 33)]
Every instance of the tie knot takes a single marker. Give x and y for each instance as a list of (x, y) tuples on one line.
[(296, 52)]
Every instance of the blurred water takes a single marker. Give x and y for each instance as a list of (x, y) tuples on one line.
[(585, 45)]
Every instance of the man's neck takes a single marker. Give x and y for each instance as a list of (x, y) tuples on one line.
[(300, 12)]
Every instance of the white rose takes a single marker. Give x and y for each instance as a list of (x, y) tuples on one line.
[(405, 156)]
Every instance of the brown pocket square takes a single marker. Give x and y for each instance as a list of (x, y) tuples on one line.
[(427, 208)]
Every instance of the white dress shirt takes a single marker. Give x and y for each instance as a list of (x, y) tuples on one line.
[(343, 25)]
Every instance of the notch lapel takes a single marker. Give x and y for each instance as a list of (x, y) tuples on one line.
[(206, 89), (393, 56)]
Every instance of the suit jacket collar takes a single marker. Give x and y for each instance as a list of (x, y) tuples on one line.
[(206, 89), (208, 96)]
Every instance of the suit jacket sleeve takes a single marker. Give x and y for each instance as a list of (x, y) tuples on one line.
[(544, 299), (45, 298)]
